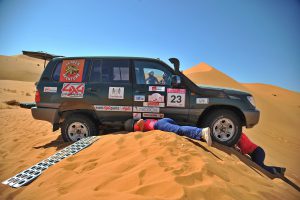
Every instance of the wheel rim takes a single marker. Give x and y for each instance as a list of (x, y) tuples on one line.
[(77, 131), (223, 129)]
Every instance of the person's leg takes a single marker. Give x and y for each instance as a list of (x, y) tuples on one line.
[(258, 156), (191, 132), (167, 124)]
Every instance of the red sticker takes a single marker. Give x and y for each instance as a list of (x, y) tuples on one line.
[(71, 70), (179, 91), (154, 104)]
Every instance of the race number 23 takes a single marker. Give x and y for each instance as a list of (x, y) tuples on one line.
[(176, 99)]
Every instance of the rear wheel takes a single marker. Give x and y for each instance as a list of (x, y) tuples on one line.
[(76, 127), (225, 126)]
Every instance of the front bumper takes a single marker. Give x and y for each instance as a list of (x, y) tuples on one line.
[(252, 117), (45, 114)]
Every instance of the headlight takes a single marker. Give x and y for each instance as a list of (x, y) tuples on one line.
[(251, 100)]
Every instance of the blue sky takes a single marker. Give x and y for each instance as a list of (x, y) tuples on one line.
[(250, 40)]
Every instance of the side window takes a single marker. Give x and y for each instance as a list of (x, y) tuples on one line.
[(115, 71), (147, 72), (56, 73)]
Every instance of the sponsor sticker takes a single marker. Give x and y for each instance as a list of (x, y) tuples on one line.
[(154, 104), (153, 115), (156, 97), (73, 90), (113, 108), (157, 88), (50, 89), (137, 115), (178, 91), (202, 100), (116, 93), (71, 71), (145, 109), (176, 97), (139, 97)]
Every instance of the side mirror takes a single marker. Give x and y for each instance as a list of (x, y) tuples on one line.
[(176, 81)]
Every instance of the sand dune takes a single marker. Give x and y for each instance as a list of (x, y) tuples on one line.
[(207, 75), (21, 68), (152, 165)]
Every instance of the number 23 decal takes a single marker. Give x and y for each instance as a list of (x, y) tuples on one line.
[(176, 98)]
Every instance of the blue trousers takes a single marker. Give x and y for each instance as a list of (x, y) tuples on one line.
[(258, 156), (167, 124)]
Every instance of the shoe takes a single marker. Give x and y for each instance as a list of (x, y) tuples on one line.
[(206, 136), (281, 171)]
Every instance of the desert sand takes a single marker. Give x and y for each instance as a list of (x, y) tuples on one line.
[(151, 165)]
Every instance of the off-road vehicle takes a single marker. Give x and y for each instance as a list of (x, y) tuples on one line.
[(79, 94)]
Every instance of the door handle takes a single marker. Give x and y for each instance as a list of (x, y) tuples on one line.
[(91, 90), (138, 91)]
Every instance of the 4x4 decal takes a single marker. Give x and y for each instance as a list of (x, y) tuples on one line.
[(73, 90)]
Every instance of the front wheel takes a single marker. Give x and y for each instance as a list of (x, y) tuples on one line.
[(225, 126), (76, 127)]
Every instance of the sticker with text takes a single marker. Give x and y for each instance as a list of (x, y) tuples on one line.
[(50, 89), (113, 108), (137, 115), (153, 115), (202, 100), (139, 97), (176, 97), (73, 90), (116, 93), (154, 104), (157, 88), (156, 97), (145, 109), (71, 71)]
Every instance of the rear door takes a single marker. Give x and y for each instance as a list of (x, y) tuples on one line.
[(153, 95), (109, 89)]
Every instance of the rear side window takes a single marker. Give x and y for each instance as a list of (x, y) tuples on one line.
[(107, 71), (56, 73)]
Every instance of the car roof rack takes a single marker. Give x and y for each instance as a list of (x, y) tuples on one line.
[(41, 55)]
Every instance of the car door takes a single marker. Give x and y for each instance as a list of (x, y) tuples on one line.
[(110, 89), (153, 95)]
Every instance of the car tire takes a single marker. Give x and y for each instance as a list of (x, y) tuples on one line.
[(225, 126), (77, 126)]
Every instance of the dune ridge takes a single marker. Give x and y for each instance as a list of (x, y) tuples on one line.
[(207, 75)]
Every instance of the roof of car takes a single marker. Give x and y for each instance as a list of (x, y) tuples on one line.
[(109, 57)]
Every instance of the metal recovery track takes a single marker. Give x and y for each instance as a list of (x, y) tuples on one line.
[(33, 172)]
